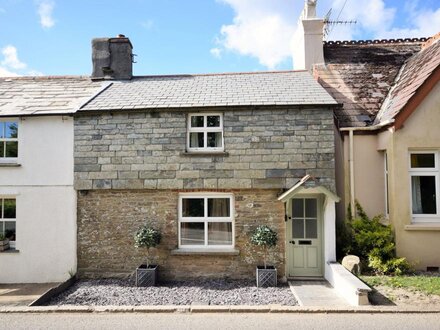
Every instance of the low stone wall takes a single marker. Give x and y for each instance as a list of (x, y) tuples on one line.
[(108, 219)]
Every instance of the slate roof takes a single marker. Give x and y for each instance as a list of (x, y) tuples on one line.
[(212, 90), (360, 75), (413, 74), (44, 95)]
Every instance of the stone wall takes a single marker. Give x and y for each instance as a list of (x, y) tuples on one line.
[(108, 219), (264, 148)]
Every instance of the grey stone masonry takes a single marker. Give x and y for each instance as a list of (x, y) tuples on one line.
[(264, 148)]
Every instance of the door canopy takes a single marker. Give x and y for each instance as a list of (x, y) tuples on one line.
[(308, 185)]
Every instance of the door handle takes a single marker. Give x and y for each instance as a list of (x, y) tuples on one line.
[(292, 242)]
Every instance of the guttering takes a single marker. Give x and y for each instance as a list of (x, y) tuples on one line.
[(350, 131)]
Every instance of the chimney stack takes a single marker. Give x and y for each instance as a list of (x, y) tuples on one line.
[(308, 48), (112, 58)]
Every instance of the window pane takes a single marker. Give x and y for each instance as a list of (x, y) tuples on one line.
[(193, 207), (311, 228), (298, 208), (311, 208), (422, 160), (192, 233), (11, 130), (196, 121), (2, 130), (214, 139), (298, 228), (2, 149), (220, 233), (9, 205), (11, 149), (423, 195), (196, 140), (10, 230), (219, 207), (213, 121)]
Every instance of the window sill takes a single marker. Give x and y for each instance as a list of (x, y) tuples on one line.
[(426, 226), (206, 252), (8, 251), (9, 164), (205, 153)]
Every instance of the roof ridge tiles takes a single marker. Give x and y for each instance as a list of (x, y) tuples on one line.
[(375, 41), (219, 74)]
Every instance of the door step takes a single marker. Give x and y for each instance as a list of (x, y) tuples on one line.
[(305, 278)]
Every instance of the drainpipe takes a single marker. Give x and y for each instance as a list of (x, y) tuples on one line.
[(350, 131)]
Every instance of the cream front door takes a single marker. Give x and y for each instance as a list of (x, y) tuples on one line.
[(304, 237)]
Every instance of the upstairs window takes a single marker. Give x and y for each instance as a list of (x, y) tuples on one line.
[(7, 219), (205, 132), (8, 140), (424, 176)]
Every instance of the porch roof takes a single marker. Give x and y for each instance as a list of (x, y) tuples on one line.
[(300, 187)]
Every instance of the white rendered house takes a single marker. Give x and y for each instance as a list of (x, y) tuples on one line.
[(37, 199)]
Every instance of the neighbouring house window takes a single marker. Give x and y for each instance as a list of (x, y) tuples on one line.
[(8, 140), (206, 221), (7, 219), (387, 205), (424, 185), (205, 132)]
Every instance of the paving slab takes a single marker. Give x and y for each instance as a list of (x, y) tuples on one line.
[(316, 293), (22, 294)]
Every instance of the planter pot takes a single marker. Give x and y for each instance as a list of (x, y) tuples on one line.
[(266, 276), (146, 276), (4, 245)]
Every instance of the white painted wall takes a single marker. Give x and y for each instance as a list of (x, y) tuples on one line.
[(46, 203)]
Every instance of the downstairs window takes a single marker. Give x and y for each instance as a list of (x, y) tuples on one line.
[(206, 221)]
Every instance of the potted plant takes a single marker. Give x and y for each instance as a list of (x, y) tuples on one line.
[(266, 238), (146, 237), (4, 243)]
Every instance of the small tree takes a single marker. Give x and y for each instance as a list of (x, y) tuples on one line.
[(266, 238), (147, 237)]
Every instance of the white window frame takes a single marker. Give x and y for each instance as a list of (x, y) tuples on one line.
[(205, 130), (206, 219), (425, 171), (12, 244), (386, 172), (2, 140)]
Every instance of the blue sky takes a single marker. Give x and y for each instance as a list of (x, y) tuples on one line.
[(52, 37)]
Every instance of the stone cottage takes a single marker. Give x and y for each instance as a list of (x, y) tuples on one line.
[(205, 159)]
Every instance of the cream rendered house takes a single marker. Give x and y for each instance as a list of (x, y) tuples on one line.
[(388, 136), (37, 199)]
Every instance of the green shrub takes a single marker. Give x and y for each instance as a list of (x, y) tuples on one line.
[(373, 242), (2, 237), (266, 238), (147, 237)]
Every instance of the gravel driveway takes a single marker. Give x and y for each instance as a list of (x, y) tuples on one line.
[(198, 292)]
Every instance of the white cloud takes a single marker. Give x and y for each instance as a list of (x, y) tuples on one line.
[(261, 29), (6, 73), (11, 59), (11, 66), (264, 29), (45, 11), (216, 52)]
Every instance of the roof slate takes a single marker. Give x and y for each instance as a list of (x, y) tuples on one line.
[(212, 90), (360, 75), (413, 74), (44, 95)]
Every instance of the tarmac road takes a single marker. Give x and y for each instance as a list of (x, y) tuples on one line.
[(221, 321)]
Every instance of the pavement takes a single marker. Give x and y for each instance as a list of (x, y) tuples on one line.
[(12, 295), (219, 321), (316, 293)]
